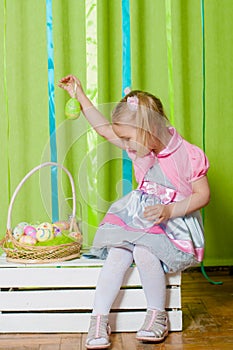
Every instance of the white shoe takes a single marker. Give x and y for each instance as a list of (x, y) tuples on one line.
[(154, 328), (98, 334)]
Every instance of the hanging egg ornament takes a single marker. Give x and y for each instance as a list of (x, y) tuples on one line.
[(73, 108)]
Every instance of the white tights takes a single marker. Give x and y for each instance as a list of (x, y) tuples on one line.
[(111, 277)]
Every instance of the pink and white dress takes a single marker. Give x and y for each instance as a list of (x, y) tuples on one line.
[(163, 178)]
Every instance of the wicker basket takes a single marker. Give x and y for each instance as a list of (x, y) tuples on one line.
[(25, 253)]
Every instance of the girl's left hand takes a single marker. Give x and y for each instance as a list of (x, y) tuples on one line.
[(157, 213)]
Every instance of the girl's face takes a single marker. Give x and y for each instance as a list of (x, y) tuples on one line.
[(129, 135)]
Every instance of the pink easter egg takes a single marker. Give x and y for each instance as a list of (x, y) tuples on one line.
[(30, 231)]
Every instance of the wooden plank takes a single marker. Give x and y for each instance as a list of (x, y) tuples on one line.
[(76, 322), (129, 342), (172, 278), (77, 299), (71, 343), (116, 342), (48, 277), (69, 263), (65, 277), (173, 298), (50, 347), (17, 347), (31, 341)]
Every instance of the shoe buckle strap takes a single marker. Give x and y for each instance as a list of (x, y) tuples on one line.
[(98, 320), (152, 320)]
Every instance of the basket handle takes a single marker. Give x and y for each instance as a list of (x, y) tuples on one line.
[(43, 165)]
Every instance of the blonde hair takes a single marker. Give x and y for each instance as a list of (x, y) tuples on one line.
[(148, 117)]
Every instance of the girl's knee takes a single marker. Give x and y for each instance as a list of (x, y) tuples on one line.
[(120, 256), (143, 256)]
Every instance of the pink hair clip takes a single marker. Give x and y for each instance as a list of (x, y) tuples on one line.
[(127, 90), (132, 102)]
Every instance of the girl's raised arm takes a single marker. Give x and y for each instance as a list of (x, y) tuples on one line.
[(101, 125)]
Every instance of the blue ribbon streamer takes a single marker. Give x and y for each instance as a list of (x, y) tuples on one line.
[(126, 82), (52, 119)]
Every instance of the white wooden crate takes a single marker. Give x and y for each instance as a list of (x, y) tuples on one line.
[(59, 297)]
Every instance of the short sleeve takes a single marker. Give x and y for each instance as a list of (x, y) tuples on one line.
[(199, 163)]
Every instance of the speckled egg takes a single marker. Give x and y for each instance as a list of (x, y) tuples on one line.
[(17, 232), (77, 236), (46, 225), (23, 224), (27, 240), (63, 225)]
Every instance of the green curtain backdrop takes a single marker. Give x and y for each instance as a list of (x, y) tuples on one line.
[(24, 127)]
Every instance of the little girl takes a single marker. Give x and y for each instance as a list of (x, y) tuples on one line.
[(158, 225)]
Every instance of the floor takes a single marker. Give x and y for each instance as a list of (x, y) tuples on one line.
[(207, 321)]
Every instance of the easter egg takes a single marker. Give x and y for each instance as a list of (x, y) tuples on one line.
[(77, 236), (27, 240), (44, 234), (56, 231), (63, 225), (46, 225), (17, 232), (23, 224), (30, 231), (73, 108)]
